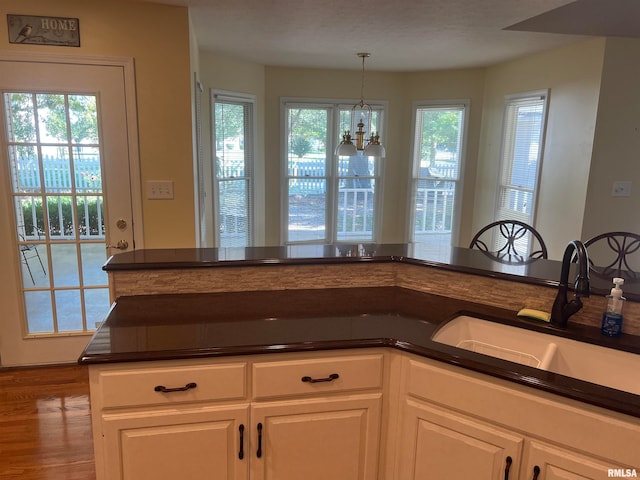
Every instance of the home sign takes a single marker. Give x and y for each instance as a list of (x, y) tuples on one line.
[(30, 29)]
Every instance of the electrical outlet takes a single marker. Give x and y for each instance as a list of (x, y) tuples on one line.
[(159, 190), (621, 189)]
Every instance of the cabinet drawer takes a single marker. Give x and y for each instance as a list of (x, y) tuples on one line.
[(273, 379), (137, 387)]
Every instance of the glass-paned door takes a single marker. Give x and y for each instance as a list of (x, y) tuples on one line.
[(55, 167), (66, 200), (437, 155)]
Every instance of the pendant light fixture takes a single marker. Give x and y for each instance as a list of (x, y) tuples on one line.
[(361, 113)]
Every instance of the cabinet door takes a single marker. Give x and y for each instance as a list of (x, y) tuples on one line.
[(437, 444), (317, 439), (555, 463), (185, 443)]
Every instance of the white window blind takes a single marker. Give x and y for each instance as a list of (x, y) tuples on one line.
[(524, 125), (233, 126), (522, 148)]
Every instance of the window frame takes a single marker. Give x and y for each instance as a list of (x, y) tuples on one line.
[(510, 100), (465, 104), (251, 127), (334, 136)]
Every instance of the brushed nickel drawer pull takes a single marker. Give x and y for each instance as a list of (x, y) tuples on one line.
[(330, 378), (163, 389)]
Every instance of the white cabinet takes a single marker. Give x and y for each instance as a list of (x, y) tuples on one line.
[(295, 417), (316, 421), (318, 439), (325, 415), (185, 443), (458, 424), (550, 462), (169, 420), (440, 444)]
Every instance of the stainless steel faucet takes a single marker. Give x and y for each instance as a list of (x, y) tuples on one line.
[(563, 309)]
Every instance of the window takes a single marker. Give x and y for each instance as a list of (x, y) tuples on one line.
[(328, 199), (437, 152), (522, 142), (233, 138)]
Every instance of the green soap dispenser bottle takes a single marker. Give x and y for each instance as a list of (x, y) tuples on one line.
[(612, 317)]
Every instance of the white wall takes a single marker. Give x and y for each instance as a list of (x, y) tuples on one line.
[(616, 146)]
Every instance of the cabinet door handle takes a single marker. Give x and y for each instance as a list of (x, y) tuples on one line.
[(163, 389), (507, 467), (536, 472), (259, 451), (330, 378), (241, 451)]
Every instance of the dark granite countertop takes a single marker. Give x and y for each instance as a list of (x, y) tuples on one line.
[(182, 326), (464, 260)]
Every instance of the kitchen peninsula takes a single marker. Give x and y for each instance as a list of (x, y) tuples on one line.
[(199, 333)]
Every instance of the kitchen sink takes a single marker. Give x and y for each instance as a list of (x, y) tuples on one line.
[(600, 365)]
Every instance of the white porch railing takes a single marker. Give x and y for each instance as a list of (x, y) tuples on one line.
[(58, 183), (356, 205), (355, 213), (434, 210)]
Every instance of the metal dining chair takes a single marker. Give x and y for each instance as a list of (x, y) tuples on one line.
[(615, 254), (29, 251), (510, 240)]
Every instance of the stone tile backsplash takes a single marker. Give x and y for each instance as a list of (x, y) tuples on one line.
[(485, 290)]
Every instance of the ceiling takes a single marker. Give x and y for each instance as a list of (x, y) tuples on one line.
[(401, 35)]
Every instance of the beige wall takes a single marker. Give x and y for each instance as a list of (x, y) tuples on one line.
[(157, 38), (616, 147), (573, 76), (200, 209)]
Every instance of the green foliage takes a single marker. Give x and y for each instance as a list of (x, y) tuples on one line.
[(300, 146), (308, 124), (60, 210), (22, 118), (52, 113), (440, 129)]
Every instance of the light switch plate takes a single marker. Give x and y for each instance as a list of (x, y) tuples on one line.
[(160, 190), (621, 189)]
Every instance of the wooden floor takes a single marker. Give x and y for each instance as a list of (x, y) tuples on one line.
[(45, 424)]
